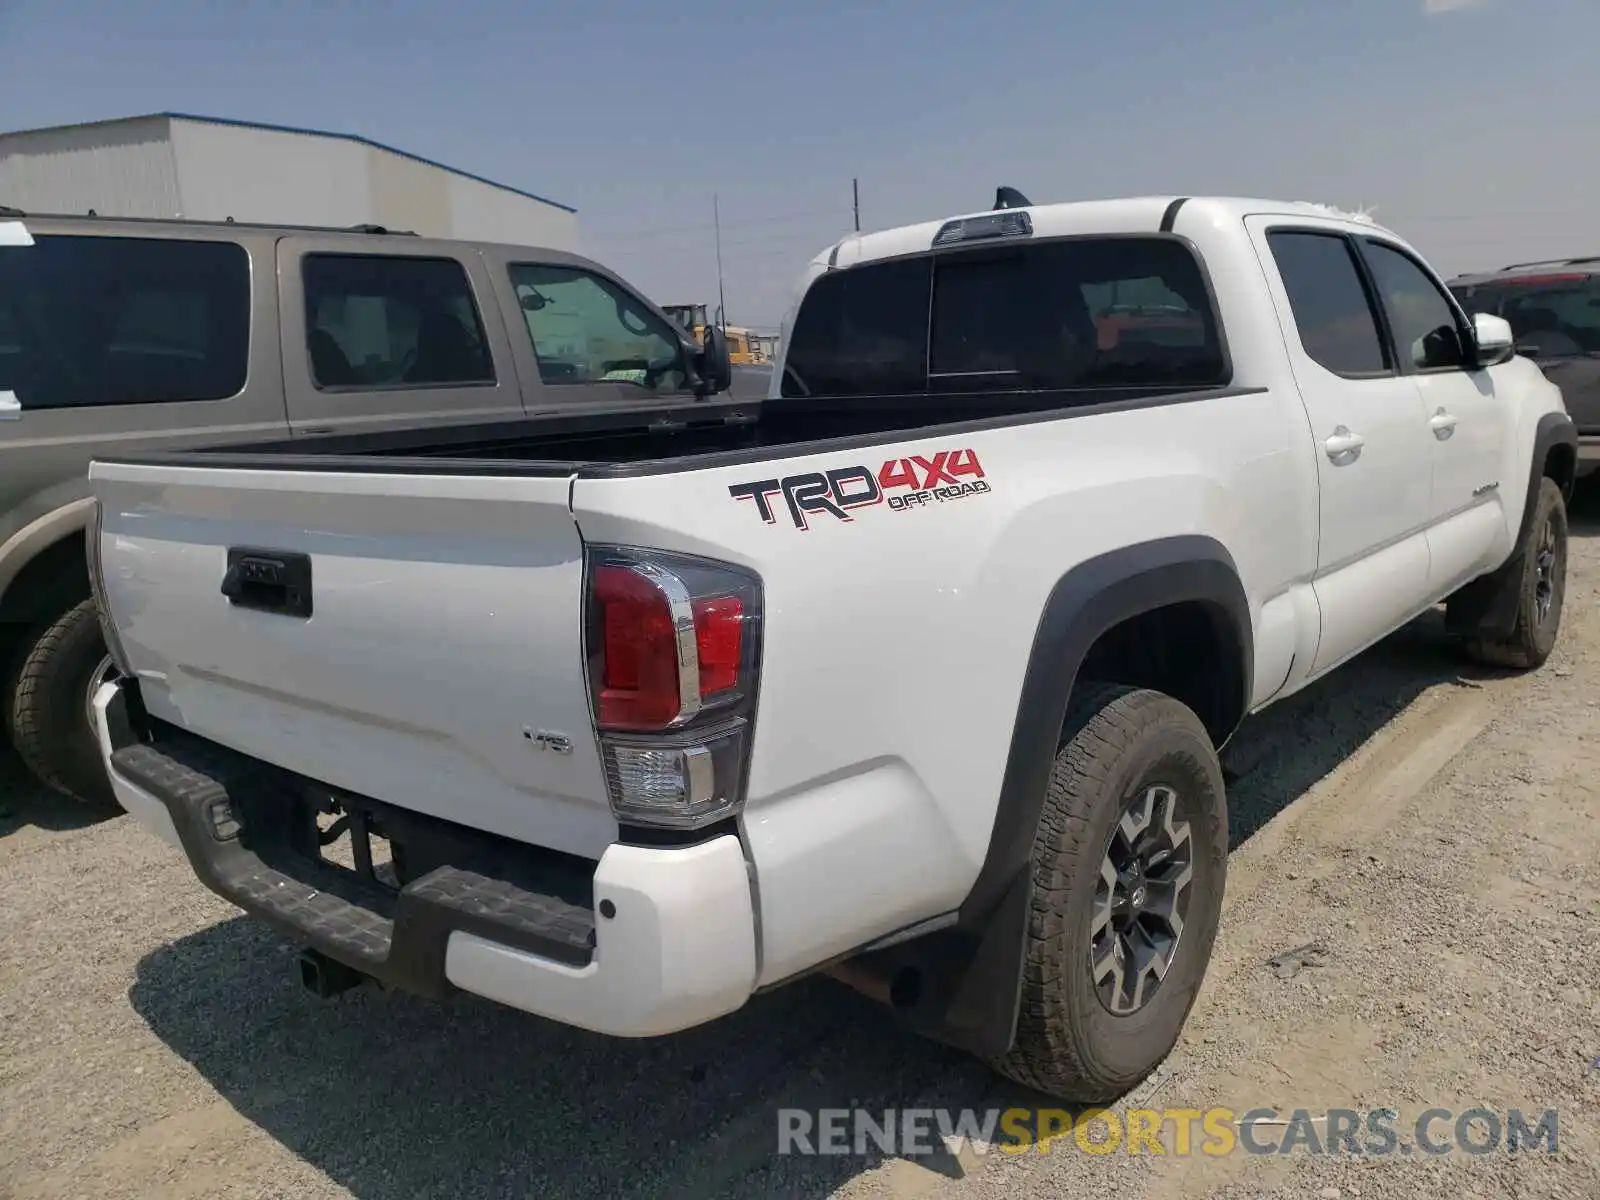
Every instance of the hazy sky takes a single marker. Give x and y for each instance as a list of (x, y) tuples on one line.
[(1467, 125)]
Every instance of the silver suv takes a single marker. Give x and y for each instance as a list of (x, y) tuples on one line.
[(119, 335), (1554, 310)]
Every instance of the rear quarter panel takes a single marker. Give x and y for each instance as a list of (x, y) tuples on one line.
[(896, 640)]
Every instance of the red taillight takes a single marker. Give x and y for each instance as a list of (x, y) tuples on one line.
[(636, 674), (639, 652), (719, 637), (674, 648)]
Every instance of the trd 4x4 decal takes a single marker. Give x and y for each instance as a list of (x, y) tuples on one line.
[(901, 483)]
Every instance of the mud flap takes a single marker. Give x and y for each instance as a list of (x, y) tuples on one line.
[(1487, 607)]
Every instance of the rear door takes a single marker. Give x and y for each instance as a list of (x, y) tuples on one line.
[(1556, 320), (406, 335)]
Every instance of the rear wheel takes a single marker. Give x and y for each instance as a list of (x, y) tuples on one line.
[(1542, 589), (1129, 865), (49, 703)]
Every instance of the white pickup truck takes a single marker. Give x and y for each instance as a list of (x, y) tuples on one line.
[(915, 672)]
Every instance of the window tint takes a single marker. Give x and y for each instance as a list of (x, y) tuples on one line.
[(586, 329), (1082, 313), (377, 322), (95, 320), (1426, 333), (1559, 316), (1330, 306), (862, 332)]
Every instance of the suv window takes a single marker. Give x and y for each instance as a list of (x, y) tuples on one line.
[(1075, 313), (1331, 309), (376, 321), (88, 321), (1557, 315), (1424, 323), (586, 329)]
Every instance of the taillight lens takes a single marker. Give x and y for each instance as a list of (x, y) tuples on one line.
[(673, 652), (719, 639), (639, 686)]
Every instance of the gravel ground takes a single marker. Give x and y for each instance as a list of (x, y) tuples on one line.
[(1436, 832)]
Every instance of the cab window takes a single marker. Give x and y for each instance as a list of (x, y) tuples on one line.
[(586, 329), (1073, 314)]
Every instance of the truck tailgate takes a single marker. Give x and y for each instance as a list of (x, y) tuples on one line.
[(440, 666)]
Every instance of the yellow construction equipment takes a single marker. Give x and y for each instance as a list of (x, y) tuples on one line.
[(743, 348)]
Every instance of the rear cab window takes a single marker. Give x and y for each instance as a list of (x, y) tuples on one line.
[(88, 321), (1071, 314), (1555, 315)]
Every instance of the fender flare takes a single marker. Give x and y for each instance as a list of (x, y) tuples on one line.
[(1554, 429), (970, 971), (41, 521), (1487, 606)]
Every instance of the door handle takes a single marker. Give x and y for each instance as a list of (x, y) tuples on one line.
[(1443, 424), (1344, 447)]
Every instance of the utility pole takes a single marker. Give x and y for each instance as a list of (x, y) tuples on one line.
[(855, 196), (716, 220)]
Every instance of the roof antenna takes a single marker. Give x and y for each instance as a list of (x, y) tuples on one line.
[(1009, 197)]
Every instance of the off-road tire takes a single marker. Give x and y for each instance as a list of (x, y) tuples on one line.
[(44, 705), (1117, 742), (1532, 638)]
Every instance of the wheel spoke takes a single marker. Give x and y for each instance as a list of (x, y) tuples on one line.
[(1104, 899), (1162, 907), (1107, 965), (1138, 816)]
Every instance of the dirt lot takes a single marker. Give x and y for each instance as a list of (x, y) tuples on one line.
[(1437, 833)]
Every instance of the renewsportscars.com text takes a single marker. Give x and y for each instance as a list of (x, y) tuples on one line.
[(1214, 1132)]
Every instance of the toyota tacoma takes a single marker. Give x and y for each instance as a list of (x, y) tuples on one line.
[(914, 672)]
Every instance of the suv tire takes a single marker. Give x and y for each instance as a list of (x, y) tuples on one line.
[(46, 704), (1132, 761), (1541, 589)]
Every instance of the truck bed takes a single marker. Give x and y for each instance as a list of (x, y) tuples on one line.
[(656, 440)]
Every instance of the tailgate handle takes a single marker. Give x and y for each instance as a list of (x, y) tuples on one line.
[(274, 581)]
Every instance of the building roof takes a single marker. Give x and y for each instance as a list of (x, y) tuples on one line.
[(304, 132)]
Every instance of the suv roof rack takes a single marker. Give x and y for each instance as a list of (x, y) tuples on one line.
[(1554, 262), (92, 215)]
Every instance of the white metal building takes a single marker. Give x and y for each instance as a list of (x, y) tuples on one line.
[(206, 168)]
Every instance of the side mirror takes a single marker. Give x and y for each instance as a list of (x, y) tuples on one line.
[(1494, 341), (715, 365)]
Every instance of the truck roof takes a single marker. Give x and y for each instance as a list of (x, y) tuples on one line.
[(1134, 214)]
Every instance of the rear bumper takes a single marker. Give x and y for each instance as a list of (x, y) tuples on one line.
[(646, 941)]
